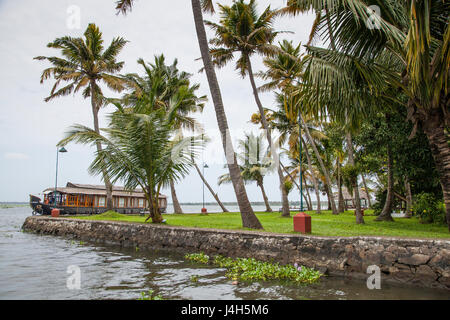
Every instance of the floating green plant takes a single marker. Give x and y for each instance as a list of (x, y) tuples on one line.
[(149, 296), (250, 269), (197, 257)]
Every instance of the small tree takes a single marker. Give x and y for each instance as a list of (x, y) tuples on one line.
[(139, 150)]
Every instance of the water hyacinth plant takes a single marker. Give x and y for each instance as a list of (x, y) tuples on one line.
[(197, 257), (250, 269)]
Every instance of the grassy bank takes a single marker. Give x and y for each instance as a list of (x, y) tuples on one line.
[(324, 224)]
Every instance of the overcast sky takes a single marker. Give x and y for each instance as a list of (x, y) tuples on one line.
[(30, 127)]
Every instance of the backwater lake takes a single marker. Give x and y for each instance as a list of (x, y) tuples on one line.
[(35, 267)]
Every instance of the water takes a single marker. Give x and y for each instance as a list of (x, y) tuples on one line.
[(35, 267)]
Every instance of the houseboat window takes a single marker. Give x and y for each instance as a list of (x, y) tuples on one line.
[(121, 202), (101, 201), (141, 203)]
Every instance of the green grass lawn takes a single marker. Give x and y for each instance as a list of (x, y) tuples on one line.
[(324, 224)]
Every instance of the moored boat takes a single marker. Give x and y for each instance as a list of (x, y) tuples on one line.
[(91, 199)]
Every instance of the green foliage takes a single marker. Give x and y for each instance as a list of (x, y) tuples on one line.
[(85, 62), (250, 269), (197, 257), (149, 296), (288, 185), (349, 174), (429, 209)]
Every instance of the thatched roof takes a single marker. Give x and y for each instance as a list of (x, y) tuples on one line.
[(91, 189), (347, 196)]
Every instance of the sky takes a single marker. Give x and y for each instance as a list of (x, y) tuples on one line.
[(30, 128)]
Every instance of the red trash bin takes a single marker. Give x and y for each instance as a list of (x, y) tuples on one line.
[(302, 223), (55, 213)]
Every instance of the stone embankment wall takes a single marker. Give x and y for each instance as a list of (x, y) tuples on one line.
[(414, 261)]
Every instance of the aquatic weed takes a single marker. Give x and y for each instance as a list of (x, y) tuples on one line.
[(149, 296), (250, 269), (197, 257)]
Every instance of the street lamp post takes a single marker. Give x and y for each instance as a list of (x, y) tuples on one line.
[(203, 173), (301, 160), (62, 150)]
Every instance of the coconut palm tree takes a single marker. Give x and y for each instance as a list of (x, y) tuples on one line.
[(241, 30), (163, 81), (255, 163), (85, 64), (140, 150), (284, 72), (289, 131), (249, 219), (406, 47)]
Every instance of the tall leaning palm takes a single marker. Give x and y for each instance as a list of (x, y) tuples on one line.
[(249, 219), (241, 30), (84, 65)]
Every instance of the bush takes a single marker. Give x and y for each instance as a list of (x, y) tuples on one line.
[(429, 209)]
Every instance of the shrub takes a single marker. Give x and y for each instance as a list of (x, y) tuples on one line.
[(429, 209)]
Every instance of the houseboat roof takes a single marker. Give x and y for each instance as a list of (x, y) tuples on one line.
[(90, 189)]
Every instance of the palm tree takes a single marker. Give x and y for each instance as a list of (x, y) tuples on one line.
[(406, 48), (285, 71), (249, 219), (163, 81), (255, 164), (241, 30), (140, 150), (85, 64)]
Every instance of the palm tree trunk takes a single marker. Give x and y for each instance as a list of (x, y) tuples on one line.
[(322, 166), (367, 190), (341, 205), (176, 204), (438, 139), (313, 177), (266, 199), (385, 214), (265, 125), (327, 191), (351, 159), (210, 189), (249, 219), (408, 198), (108, 185)]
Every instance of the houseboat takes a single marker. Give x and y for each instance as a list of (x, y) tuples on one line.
[(91, 199)]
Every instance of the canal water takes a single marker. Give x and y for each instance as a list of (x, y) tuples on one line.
[(36, 267)]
